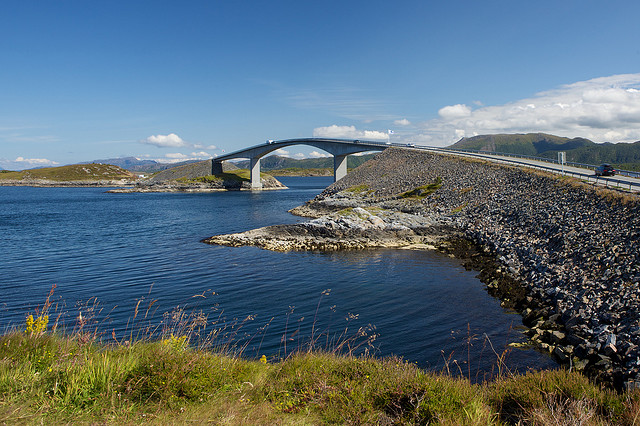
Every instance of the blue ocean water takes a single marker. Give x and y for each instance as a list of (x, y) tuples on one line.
[(120, 257)]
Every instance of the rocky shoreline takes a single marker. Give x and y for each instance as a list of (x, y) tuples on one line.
[(213, 186), (46, 183), (563, 254)]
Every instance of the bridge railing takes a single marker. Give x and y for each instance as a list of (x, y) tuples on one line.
[(589, 177), (629, 173)]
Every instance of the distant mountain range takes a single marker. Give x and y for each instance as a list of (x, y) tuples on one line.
[(135, 165), (579, 150)]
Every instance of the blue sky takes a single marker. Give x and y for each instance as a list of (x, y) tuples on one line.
[(174, 80)]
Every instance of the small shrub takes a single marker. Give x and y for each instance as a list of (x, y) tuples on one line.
[(37, 326), (176, 343)]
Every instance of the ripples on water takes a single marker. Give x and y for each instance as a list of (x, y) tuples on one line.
[(123, 248)]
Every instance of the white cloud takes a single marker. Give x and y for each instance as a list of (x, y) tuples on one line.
[(171, 140), (176, 156), (281, 152), (200, 146), (299, 156), (454, 111), (316, 154), (347, 132), (602, 109), (35, 161), (403, 122), (22, 163)]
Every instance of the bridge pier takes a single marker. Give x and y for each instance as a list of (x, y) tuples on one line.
[(339, 167), (254, 167), (339, 148)]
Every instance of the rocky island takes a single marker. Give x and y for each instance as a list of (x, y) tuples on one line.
[(562, 253), (203, 176)]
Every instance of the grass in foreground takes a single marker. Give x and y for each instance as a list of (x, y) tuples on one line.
[(46, 378)]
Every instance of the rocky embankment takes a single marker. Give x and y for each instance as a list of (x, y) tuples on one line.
[(564, 254)]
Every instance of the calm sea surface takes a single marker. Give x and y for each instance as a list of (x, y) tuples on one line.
[(108, 253)]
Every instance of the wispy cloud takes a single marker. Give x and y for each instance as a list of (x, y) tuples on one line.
[(347, 132), (282, 152), (348, 102), (200, 146), (172, 140), (316, 154), (602, 109), (35, 161), (21, 163), (177, 157), (402, 122)]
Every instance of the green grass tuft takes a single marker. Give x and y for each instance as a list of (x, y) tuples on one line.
[(358, 189), (423, 191)]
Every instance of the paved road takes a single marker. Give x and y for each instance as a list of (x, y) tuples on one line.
[(624, 182)]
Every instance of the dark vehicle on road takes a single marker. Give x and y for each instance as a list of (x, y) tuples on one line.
[(605, 170)]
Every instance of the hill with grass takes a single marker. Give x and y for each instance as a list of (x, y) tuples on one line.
[(76, 173), (579, 150)]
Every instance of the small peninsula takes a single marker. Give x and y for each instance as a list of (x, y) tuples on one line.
[(75, 175), (560, 252)]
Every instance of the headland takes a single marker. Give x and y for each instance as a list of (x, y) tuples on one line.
[(563, 254)]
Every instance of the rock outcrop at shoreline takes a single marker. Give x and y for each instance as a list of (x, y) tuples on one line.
[(573, 250), (351, 228), (205, 184)]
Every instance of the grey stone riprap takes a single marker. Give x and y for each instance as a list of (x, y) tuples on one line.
[(574, 248)]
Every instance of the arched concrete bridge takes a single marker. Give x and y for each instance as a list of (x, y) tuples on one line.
[(339, 148)]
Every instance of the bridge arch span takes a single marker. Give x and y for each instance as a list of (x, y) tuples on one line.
[(339, 148)]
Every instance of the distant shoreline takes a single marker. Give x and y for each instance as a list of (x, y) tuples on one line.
[(43, 183)]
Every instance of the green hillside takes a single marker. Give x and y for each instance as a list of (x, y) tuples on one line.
[(579, 150), (75, 172)]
